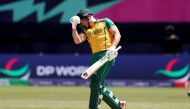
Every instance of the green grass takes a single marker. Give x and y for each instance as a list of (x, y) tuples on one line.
[(77, 98)]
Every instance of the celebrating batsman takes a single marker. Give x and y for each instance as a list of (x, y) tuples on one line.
[(103, 37)]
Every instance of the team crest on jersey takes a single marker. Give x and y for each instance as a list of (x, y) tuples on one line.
[(94, 32)]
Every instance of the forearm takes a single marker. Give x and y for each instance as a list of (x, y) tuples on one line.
[(76, 36), (75, 20)]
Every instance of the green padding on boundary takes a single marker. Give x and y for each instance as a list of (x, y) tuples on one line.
[(13, 82)]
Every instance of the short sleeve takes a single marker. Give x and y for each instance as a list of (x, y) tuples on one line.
[(109, 23)]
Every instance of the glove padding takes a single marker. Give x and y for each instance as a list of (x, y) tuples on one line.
[(112, 53), (74, 21)]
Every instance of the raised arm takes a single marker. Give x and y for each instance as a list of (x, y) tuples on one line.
[(78, 38)]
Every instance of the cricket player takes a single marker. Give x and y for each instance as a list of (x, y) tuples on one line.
[(103, 37)]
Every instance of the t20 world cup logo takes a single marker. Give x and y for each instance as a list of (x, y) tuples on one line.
[(179, 75), (13, 68)]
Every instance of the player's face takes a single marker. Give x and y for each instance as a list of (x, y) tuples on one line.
[(85, 23)]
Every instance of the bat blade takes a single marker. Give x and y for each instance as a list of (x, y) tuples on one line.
[(93, 68)]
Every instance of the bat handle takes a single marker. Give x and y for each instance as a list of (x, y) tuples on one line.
[(118, 48)]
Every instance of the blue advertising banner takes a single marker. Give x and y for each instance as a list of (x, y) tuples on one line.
[(49, 66), (151, 67), (136, 70)]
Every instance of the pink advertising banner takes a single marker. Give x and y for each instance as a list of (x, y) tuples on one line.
[(137, 11)]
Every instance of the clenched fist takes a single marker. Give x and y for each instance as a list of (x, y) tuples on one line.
[(74, 21)]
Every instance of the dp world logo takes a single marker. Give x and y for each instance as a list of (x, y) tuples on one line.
[(181, 75), (11, 70)]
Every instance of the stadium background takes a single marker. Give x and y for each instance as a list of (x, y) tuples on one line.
[(36, 38)]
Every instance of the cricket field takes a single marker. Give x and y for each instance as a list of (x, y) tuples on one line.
[(64, 97)]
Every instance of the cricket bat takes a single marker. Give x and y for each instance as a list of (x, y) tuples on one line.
[(93, 68)]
